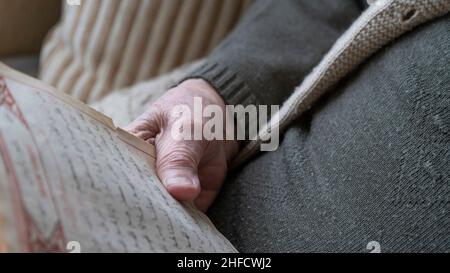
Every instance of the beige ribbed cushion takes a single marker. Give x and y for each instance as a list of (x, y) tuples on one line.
[(125, 105), (105, 45)]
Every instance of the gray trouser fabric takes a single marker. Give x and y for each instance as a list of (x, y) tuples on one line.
[(371, 162)]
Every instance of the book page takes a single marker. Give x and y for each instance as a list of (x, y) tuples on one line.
[(71, 180)]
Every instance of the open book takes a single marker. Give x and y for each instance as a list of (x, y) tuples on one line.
[(71, 181)]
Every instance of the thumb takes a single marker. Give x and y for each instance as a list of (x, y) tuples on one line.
[(177, 167)]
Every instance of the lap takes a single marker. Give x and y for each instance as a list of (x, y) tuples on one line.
[(369, 163)]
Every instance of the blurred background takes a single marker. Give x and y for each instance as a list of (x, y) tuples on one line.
[(23, 27), (100, 46)]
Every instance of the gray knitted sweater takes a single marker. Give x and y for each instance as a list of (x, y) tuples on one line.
[(368, 163)]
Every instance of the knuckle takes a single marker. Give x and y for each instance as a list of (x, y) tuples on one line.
[(177, 157)]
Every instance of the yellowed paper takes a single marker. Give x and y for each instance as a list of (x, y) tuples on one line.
[(70, 180)]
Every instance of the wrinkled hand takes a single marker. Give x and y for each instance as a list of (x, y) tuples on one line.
[(191, 170)]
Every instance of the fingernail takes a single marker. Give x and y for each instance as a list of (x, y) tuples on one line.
[(178, 181)]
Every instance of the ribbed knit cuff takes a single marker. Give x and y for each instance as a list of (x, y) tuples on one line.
[(227, 83)]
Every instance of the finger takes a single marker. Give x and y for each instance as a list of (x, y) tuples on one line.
[(205, 199), (148, 125), (211, 175), (177, 167)]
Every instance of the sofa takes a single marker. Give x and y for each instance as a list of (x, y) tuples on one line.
[(24, 25)]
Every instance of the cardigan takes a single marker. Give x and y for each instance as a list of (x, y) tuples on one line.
[(238, 69)]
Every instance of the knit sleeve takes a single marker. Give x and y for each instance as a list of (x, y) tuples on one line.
[(273, 48)]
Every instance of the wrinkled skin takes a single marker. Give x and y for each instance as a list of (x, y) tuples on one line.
[(191, 170)]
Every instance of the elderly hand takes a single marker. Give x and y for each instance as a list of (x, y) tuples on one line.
[(191, 170)]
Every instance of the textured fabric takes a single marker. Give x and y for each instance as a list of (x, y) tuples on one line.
[(274, 47), (104, 45), (259, 70), (370, 162), (384, 21), (125, 105)]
